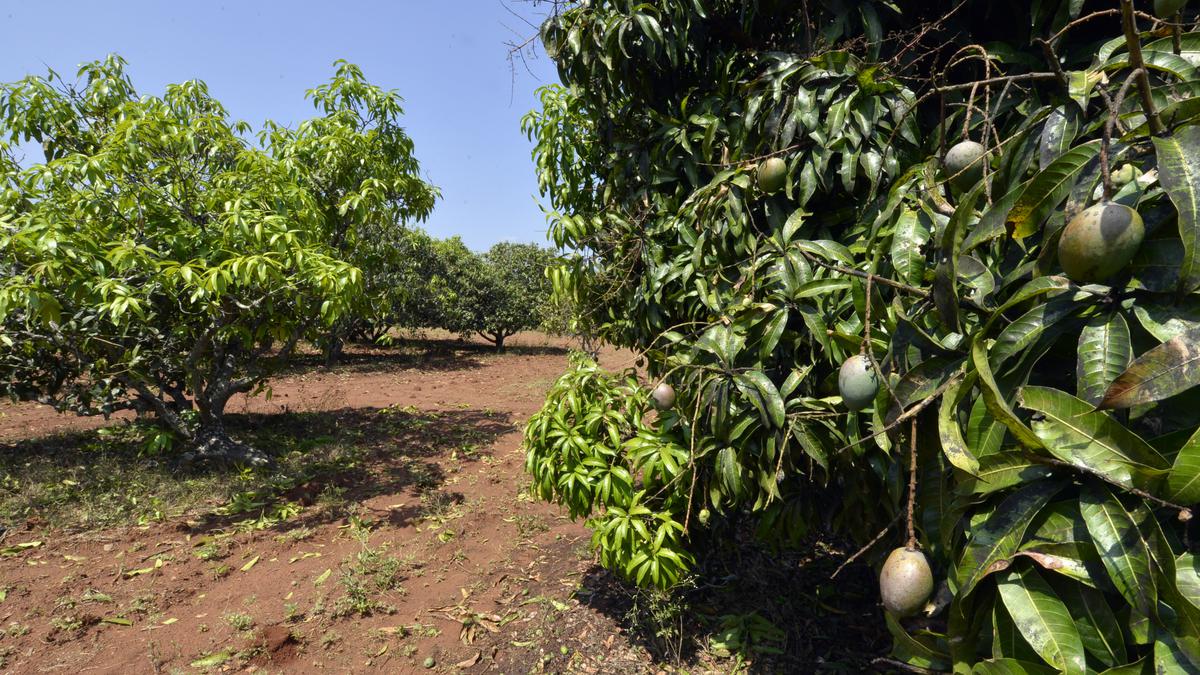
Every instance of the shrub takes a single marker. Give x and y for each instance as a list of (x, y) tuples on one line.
[(1035, 436)]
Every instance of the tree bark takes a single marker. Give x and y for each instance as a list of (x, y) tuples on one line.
[(498, 340), (214, 444), (333, 348)]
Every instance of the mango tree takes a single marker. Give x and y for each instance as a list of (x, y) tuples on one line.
[(360, 167), (153, 259), (498, 293), (988, 209)]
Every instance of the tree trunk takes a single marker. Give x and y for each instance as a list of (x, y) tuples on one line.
[(214, 444), (333, 349), (211, 442), (499, 343)]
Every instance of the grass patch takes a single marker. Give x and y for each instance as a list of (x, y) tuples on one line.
[(367, 577), (239, 621), (115, 476)]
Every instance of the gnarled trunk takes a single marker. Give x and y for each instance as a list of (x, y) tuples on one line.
[(211, 442), (214, 444)]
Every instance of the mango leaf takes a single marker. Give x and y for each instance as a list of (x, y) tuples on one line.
[(1068, 558), (1104, 353), (1023, 332), (1098, 626), (912, 232), (993, 543), (1002, 470), (1032, 289), (950, 433), (991, 223), (1007, 641), (1168, 321), (1123, 548), (1057, 134), (1156, 265), (1173, 654), (1187, 578), (1043, 619), (1077, 434), (763, 395), (1179, 173), (1048, 189), (1136, 668), (984, 434), (912, 650), (1162, 372), (995, 401), (729, 470), (1183, 483), (1010, 667)]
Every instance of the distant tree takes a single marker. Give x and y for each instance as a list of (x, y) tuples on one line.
[(153, 260), (359, 165), (416, 271), (501, 292)]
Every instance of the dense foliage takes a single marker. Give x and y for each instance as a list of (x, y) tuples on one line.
[(497, 293), (1042, 430), (359, 165), (154, 260)]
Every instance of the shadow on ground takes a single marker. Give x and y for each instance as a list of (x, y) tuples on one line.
[(780, 610), (107, 477), (426, 354)]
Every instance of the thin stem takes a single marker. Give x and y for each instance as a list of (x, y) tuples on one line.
[(1185, 513), (911, 544), (907, 414), (1052, 59), (1114, 112), (1176, 34), (995, 80), (1134, 45), (866, 547)]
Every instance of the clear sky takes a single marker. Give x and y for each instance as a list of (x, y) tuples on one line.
[(447, 58)]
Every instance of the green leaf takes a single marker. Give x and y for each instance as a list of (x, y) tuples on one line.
[(1043, 619), (1168, 321), (1010, 667), (1048, 189), (1067, 558), (1136, 668), (995, 401), (993, 543), (1104, 353), (1187, 578), (763, 395), (1179, 173), (1162, 372), (1076, 433), (1057, 134), (1173, 654), (1183, 483), (213, 660), (950, 433), (1019, 334), (729, 470), (914, 651), (1122, 545), (1002, 470), (1098, 626), (912, 233)]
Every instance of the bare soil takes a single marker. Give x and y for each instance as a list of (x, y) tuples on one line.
[(457, 569)]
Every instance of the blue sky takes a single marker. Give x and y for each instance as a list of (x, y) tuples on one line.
[(463, 103)]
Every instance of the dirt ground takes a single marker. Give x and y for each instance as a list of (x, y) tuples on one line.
[(453, 566)]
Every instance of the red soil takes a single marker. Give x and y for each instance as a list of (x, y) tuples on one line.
[(496, 582)]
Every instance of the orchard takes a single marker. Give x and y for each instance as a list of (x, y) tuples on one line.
[(919, 274)]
